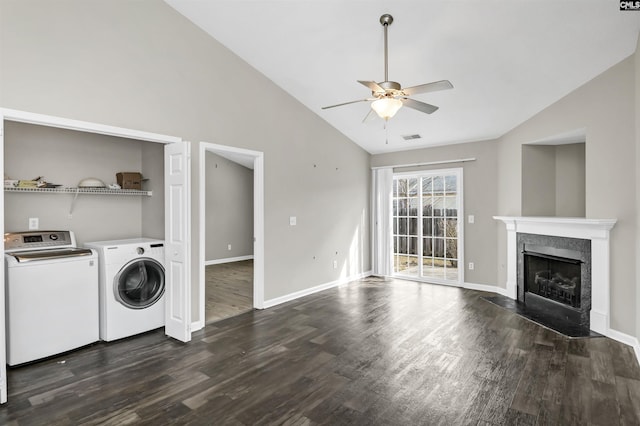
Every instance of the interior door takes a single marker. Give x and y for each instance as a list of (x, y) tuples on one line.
[(177, 240)]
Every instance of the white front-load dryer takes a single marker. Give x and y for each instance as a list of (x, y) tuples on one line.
[(132, 284)]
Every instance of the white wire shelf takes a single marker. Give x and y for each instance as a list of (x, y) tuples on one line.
[(88, 191)]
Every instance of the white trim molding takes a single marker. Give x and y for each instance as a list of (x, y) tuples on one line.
[(307, 291), (228, 260), (245, 157), (596, 230), (485, 287)]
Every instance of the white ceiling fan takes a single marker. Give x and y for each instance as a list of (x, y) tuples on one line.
[(388, 96)]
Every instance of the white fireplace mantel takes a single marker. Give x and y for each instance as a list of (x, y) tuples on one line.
[(596, 230)]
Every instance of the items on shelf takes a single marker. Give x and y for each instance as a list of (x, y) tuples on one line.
[(38, 182), (129, 180)]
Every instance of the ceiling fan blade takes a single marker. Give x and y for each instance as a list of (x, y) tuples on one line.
[(375, 87), (347, 103), (428, 87), (420, 106)]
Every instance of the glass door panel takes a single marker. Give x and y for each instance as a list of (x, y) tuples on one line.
[(426, 217)]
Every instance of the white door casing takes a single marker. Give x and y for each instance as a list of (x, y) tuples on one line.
[(3, 353), (177, 175), (251, 159)]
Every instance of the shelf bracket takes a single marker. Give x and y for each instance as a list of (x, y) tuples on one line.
[(73, 202)]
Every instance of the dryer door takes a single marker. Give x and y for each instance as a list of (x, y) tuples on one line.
[(140, 283)]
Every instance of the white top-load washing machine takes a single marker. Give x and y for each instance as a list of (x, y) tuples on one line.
[(132, 283), (51, 295)]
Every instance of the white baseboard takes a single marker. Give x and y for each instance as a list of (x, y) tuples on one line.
[(307, 291), (484, 287), (627, 340), (228, 260)]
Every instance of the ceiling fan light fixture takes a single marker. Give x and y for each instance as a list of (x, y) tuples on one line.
[(386, 107)]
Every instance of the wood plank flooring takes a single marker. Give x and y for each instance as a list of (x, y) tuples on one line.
[(228, 290), (373, 352)]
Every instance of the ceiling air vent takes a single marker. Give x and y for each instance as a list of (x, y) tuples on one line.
[(410, 137)]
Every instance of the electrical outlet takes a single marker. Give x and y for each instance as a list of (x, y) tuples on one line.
[(229, 247), (471, 266), (34, 223), (335, 264)]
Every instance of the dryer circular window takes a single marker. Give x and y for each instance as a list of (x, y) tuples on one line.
[(140, 283)]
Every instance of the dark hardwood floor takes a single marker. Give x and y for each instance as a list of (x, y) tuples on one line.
[(228, 290), (370, 353)]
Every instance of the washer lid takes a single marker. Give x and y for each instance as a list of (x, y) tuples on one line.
[(35, 255)]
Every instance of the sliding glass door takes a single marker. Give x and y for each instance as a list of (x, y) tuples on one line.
[(427, 226)]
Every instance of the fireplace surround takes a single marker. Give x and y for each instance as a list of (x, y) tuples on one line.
[(596, 231)]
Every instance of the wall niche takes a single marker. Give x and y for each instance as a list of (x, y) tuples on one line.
[(553, 180)]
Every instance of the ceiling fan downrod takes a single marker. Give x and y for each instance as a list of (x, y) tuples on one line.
[(386, 20)]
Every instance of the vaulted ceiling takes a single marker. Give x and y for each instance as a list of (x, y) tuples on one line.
[(507, 60)]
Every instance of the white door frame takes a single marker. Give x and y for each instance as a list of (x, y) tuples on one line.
[(257, 158)]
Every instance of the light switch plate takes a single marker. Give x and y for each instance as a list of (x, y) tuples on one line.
[(292, 220)]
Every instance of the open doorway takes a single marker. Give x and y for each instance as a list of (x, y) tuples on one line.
[(231, 232), (228, 237)]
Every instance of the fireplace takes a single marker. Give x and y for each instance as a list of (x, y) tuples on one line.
[(595, 234), (554, 277)]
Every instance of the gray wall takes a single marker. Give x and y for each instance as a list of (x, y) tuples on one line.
[(605, 106), (65, 157), (229, 208), (152, 168), (570, 180), (553, 180), (480, 198), (141, 65), (538, 180)]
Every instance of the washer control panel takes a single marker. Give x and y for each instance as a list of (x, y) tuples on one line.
[(38, 240)]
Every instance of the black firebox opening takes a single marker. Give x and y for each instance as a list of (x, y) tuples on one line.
[(552, 277)]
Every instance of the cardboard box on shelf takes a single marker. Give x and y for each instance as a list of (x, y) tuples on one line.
[(129, 180)]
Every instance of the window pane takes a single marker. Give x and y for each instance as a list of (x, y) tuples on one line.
[(402, 188), (395, 244), (402, 245), (413, 187), (395, 187), (413, 245), (427, 229), (427, 207), (413, 226), (452, 248), (438, 206), (451, 183), (438, 247), (450, 206), (395, 225), (413, 206), (395, 207), (402, 226), (426, 247), (451, 230), (438, 227), (402, 207), (427, 185), (438, 185)]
